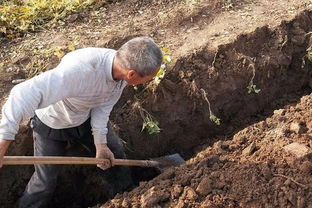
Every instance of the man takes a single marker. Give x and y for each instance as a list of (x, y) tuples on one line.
[(71, 101)]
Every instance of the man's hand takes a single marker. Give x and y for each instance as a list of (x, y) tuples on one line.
[(4, 144), (102, 151)]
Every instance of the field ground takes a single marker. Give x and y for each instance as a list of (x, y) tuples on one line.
[(260, 155)]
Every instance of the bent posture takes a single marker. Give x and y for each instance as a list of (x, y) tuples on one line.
[(72, 102)]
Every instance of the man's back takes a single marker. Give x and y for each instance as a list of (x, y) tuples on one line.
[(79, 87)]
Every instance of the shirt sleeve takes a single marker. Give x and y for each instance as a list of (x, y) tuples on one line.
[(37, 92), (99, 120)]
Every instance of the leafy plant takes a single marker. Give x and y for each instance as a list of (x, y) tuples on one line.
[(149, 123), (162, 71), (212, 116), (20, 16)]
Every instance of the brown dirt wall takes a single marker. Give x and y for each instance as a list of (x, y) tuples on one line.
[(253, 168), (281, 68)]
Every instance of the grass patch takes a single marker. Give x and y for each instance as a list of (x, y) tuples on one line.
[(18, 17)]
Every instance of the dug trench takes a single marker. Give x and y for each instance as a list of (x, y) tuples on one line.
[(273, 58)]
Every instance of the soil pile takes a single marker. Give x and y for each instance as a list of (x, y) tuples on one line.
[(268, 164)]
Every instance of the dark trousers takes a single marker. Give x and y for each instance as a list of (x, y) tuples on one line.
[(53, 142)]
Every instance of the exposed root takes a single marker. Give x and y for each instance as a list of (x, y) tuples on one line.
[(284, 43), (214, 59), (251, 86), (212, 117)]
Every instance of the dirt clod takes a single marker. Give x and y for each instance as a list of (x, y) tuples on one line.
[(176, 191), (152, 197), (306, 167), (189, 194), (279, 112), (298, 128), (297, 149), (205, 186), (250, 149)]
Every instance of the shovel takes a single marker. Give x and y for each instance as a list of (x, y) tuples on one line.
[(161, 162)]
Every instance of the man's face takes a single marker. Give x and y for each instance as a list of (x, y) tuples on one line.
[(134, 78)]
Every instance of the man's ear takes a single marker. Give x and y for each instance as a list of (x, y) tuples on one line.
[(131, 74)]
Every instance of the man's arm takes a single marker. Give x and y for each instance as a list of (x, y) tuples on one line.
[(99, 120), (4, 145)]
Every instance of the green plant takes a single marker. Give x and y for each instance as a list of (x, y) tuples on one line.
[(20, 16), (149, 123), (160, 74), (212, 117), (162, 71)]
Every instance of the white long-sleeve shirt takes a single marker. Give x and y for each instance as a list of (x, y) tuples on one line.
[(66, 96)]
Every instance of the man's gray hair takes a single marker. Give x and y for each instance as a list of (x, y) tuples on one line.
[(140, 54)]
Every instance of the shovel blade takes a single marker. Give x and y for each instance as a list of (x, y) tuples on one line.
[(169, 161)]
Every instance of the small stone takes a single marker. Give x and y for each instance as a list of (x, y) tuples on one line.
[(279, 112), (250, 149), (180, 204), (151, 197), (298, 150), (125, 203), (297, 128), (204, 187), (306, 167), (189, 194), (218, 146), (177, 189), (116, 202)]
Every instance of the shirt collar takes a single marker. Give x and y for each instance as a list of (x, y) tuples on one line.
[(110, 60)]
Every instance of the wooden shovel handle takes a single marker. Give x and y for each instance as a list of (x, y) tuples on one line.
[(52, 160)]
